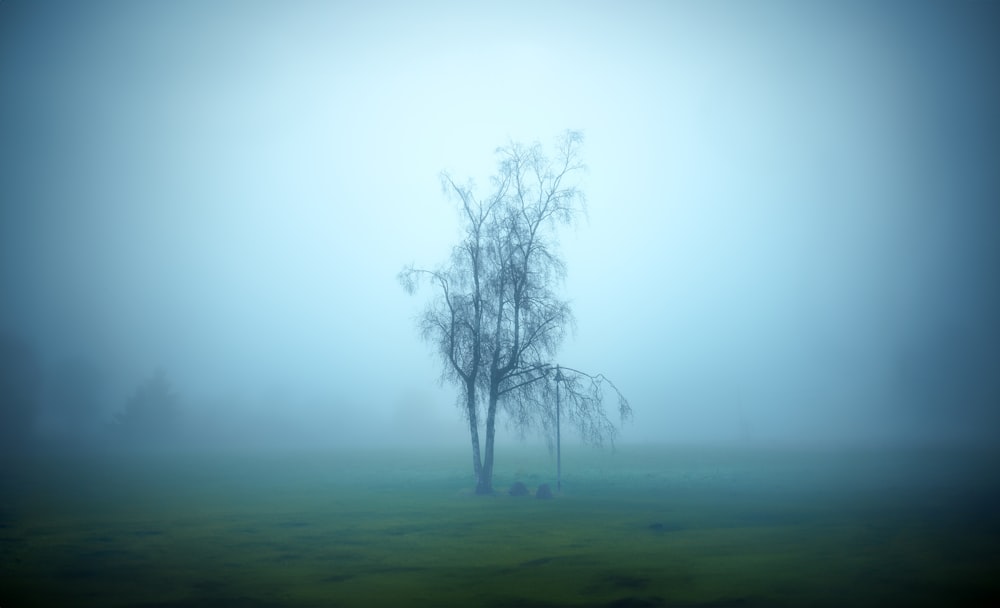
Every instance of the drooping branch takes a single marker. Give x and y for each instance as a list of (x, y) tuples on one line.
[(582, 402), (596, 384)]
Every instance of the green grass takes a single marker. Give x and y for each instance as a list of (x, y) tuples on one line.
[(642, 527)]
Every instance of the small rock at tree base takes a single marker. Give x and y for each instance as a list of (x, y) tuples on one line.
[(518, 489), (543, 491)]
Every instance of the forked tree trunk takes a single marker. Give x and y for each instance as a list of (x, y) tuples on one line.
[(477, 462), (485, 483)]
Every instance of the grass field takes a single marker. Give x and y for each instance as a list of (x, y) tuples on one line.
[(645, 526)]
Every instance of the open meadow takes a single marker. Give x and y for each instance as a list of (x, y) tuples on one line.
[(644, 526)]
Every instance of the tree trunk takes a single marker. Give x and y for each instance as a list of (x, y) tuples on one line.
[(470, 405), (485, 485)]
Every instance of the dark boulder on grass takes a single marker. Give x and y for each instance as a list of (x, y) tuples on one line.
[(518, 489), (543, 491)]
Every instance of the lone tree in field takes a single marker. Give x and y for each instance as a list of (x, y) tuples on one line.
[(496, 319)]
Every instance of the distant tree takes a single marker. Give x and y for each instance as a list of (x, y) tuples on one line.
[(948, 379), (497, 320), (151, 412), (20, 385), (74, 395)]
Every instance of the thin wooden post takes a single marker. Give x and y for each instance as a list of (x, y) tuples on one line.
[(558, 434)]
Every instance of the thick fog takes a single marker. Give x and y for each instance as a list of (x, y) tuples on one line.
[(791, 231)]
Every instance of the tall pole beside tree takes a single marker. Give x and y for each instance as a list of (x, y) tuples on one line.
[(496, 319), (558, 379), (584, 394)]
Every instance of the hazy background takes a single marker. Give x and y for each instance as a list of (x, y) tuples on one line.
[(792, 229)]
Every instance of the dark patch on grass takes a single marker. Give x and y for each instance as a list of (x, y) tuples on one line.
[(656, 601), (395, 569), (150, 532), (521, 602), (768, 519), (79, 572), (105, 563), (531, 563), (209, 586), (337, 578), (211, 602), (292, 524), (665, 527), (736, 602), (403, 530), (106, 554), (624, 581), (340, 556), (637, 602)]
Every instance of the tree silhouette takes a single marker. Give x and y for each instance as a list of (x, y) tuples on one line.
[(151, 412), (497, 320), (20, 384), (73, 395)]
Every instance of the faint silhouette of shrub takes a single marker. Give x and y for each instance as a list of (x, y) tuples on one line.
[(544, 492), (74, 395), (151, 412), (518, 489), (20, 384)]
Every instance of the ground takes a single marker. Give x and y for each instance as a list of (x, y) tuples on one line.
[(645, 526)]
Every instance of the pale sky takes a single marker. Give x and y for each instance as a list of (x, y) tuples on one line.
[(792, 226)]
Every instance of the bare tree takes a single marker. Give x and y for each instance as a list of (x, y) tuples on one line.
[(497, 320), (74, 391), (454, 321), (151, 412), (20, 389)]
